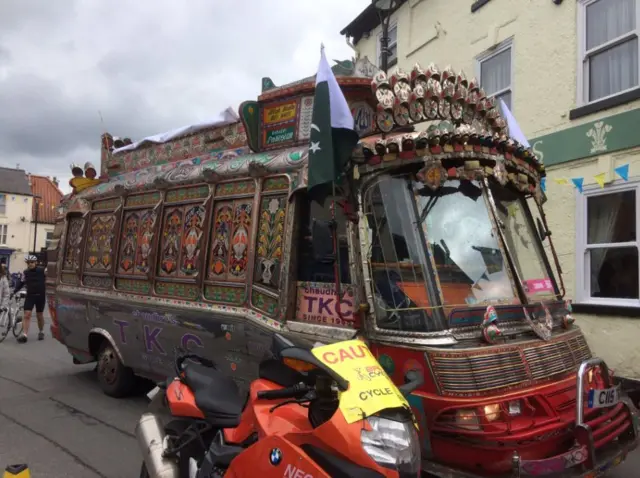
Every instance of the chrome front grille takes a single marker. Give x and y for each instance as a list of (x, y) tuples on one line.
[(507, 367)]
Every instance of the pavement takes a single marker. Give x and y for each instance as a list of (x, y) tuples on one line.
[(55, 418)]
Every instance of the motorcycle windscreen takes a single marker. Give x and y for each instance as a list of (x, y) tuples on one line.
[(370, 388)]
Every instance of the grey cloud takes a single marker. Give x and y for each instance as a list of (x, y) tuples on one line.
[(146, 66)]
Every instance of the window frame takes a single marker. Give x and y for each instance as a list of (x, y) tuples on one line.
[(3, 204), (4, 231), (391, 62), (48, 239), (583, 283), (582, 90), (507, 44)]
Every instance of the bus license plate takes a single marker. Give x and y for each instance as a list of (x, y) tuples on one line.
[(607, 397)]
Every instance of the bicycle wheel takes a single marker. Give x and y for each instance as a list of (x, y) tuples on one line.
[(5, 325), (17, 325)]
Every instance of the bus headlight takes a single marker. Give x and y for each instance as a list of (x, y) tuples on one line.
[(467, 418), (393, 444), (492, 412)]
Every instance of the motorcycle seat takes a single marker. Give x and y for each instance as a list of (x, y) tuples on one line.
[(216, 394)]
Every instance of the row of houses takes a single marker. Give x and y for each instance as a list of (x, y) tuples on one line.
[(569, 71), (28, 205)]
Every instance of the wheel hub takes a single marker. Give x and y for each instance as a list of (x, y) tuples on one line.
[(108, 366)]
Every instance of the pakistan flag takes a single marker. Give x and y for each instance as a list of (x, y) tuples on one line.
[(332, 137)]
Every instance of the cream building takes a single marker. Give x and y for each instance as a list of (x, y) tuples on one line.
[(16, 204), (569, 72)]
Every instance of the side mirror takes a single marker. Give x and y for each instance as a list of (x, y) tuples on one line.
[(413, 379), (542, 231), (322, 242), (278, 344)]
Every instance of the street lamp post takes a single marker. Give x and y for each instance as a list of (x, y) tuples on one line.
[(35, 232), (385, 9)]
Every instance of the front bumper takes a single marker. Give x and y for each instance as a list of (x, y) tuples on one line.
[(600, 444)]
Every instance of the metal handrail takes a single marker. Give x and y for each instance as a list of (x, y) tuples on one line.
[(584, 367)]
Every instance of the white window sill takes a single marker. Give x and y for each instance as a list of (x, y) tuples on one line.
[(605, 103)]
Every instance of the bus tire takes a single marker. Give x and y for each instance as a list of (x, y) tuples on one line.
[(115, 379)]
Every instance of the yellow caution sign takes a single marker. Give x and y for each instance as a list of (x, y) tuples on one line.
[(370, 388), (17, 471)]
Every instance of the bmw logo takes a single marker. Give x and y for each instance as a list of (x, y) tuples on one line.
[(275, 457)]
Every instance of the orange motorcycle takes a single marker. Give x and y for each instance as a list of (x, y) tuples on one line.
[(329, 411)]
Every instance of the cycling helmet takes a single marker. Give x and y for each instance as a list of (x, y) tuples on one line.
[(30, 258)]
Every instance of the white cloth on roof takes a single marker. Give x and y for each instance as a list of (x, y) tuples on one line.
[(224, 118)]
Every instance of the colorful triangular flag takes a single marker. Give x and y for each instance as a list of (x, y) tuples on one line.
[(600, 179), (578, 182), (543, 184), (561, 181), (623, 171)]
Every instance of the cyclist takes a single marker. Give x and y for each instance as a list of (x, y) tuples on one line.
[(35, 279), (5, 289)]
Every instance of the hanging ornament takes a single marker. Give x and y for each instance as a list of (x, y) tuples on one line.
[(568, 320), (490, 330)]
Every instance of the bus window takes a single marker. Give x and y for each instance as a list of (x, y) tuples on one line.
[(316, 276)]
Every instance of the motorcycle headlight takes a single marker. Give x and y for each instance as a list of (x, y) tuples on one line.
[(393, 444)]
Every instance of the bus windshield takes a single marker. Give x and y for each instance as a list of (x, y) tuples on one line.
[(433, 251)]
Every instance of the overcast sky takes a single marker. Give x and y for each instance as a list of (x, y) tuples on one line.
[(147, 66)]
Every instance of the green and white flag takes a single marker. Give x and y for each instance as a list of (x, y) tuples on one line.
[(333, 137)]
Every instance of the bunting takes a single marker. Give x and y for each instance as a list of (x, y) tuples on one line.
[(600, 179)]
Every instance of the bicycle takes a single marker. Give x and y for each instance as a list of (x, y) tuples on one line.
[(12, 318)]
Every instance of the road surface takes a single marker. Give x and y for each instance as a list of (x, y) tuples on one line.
[(54, 417)]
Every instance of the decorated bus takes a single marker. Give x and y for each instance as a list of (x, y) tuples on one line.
[(430, 244)]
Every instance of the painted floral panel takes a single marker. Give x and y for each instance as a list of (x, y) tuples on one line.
[(100, 242), (72, 247), (191, 239), (230, 238), (270, 240), (135, 243)]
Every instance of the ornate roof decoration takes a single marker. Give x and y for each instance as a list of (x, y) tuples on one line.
[(430, 94), (450, 152)]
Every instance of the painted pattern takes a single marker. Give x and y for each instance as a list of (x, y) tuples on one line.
[(264, 303), (181, 291), (100, 242), (171, 235), (106, 204), (181, 241), (278, 183), (72, 250), (187, 194), (225, 294), (136, 240), (135, 286), (236, 188), (230, 240), (150, 199), (192, 234), (270, 240)]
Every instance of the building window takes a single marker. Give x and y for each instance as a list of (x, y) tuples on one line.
[(494, 69), (49, 239), (607, 246), (608, 42), (3, 205), (3, 234), (393, 46)]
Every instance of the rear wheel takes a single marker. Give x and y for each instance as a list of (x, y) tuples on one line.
[(5, 325), (18, 326), (115, 379)]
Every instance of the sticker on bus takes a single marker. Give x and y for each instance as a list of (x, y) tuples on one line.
[(607, 397)]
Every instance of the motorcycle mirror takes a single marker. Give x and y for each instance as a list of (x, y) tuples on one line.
[(413, 380)]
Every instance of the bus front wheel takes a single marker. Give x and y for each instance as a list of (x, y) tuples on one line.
[(115, 379)]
